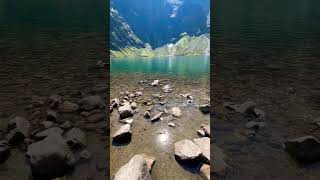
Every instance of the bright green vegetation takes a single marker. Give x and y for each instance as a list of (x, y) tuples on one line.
[(186, 46)]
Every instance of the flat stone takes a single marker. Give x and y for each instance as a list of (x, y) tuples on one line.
[(135, 169), (305, 149), (156, 117), (47, 132), (123, 134), (50, 158), (204, 144), (4, 151), (68, 107), (186, 150)]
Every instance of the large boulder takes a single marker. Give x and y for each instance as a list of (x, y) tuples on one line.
[(305, 149), (50, 158), (45, 133), (186, 150), (76, 138), (204, 144), (219, 166), (19, 129), (68, 107), (123, 134), (125, 111), (4, 150), (135, 169), (91, 102)]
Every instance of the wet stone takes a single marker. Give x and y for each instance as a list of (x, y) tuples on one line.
[(186, 150)]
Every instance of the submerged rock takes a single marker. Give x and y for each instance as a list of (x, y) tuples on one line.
[(259, 113), (167, 88), (4, 151), (186, 150), (171, 124), (91, 102), (176, 112), (125, 111), (155, 83), (66, 125), (219, 166), (205, 108), (50, 158), (52, 115), (133, 105), (68, 107), (206, 129), (123, 134), (85, 154), (48, 132), (305, 149), (19, 129), (135, 169), (47, 124), (115, 103), (255, 125), (54, 101), (246, 107), (204, 144), (147, 114), (76, 138), (156, 117)]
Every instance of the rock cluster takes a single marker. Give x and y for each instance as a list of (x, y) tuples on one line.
[(54, 134)]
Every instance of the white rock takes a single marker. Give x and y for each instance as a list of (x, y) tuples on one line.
[(186, 150)]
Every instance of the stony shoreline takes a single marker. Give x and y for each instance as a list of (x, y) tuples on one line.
[(165, 117)]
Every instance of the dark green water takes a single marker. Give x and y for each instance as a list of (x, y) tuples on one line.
[(266, 51), (53, 18), (180, 65), (268, 27)]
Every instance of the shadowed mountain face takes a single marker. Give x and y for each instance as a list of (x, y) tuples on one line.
[(121, 34), (159, 22)]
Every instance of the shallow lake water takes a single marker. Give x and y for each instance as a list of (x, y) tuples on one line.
[(50, 47), (267, 52), (184, 75)]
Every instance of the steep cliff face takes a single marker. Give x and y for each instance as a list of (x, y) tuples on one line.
[(121, 35), (172, 27), (159, 22)]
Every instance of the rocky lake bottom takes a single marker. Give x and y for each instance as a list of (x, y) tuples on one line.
[(156, 136), (259, 104), (45, 92)]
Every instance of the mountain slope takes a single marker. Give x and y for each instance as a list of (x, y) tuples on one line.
[(159, 22), (186, 46), (122, 35)]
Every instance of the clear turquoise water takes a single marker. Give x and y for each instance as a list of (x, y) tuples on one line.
[(191, 66)]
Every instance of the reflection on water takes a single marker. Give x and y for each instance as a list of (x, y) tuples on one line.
[(181, 65), (163, 138)]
